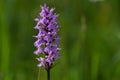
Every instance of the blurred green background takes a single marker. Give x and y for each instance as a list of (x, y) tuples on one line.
[(90, 32)]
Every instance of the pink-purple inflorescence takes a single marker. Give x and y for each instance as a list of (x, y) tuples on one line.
[(47, 39)]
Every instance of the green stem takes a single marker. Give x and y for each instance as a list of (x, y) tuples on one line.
[(48, 74), (39, 74), (4, 43)]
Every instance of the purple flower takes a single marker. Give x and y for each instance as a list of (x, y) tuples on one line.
[(47, 39)]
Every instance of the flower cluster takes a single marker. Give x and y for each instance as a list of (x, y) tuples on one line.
[(47, 39)]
